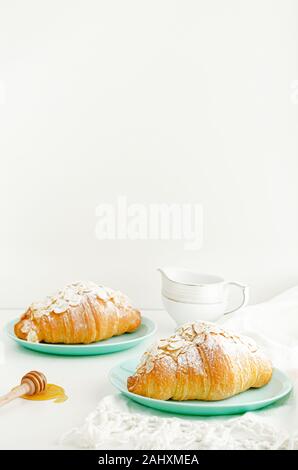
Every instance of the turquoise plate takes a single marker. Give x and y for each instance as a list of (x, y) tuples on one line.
[(253, 399), (111, 345)]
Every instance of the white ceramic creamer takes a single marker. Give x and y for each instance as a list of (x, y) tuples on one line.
[(191, 296)]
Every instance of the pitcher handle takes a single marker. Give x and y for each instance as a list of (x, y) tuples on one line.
[(245, 295)]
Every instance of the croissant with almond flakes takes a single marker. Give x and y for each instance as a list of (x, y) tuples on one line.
[(81, 313), (201, 361)]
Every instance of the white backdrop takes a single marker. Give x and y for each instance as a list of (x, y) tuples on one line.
[(160, 101)]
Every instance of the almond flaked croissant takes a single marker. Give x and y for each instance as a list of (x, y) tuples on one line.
[(201, 361), (82, 312)]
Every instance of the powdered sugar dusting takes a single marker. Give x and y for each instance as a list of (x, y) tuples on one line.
[(175, 350), (213, 336), (73, 295), (184, 346)]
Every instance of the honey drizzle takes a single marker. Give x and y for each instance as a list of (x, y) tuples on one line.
[(52, 392)]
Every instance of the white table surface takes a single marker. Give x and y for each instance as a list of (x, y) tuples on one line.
[(38, 425)]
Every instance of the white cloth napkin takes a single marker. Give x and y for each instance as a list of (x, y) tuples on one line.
[(119, 423)]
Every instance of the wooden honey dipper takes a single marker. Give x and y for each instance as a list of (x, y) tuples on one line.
[(33, 382)]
